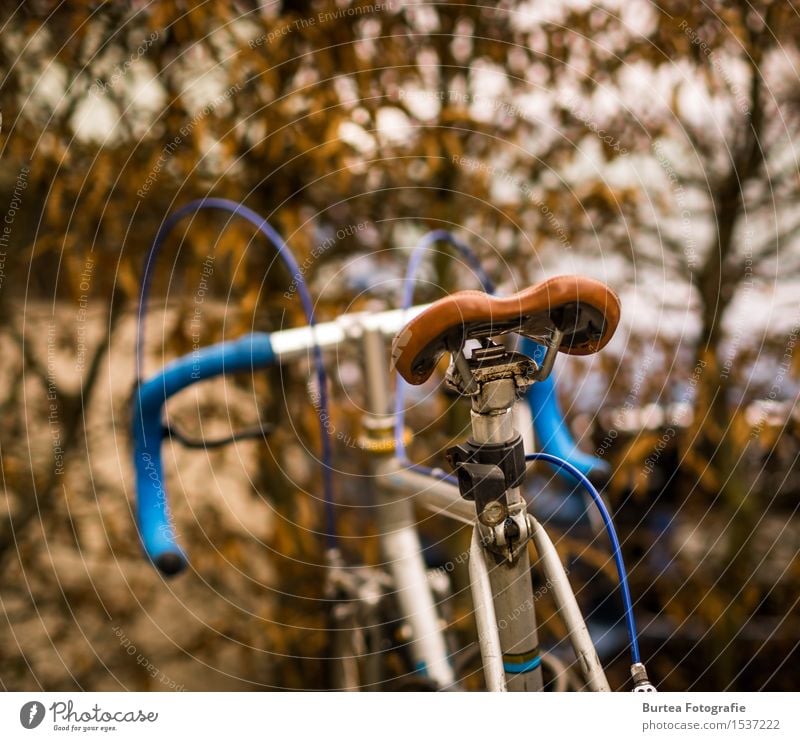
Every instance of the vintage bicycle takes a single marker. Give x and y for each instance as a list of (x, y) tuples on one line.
[(568, 314)]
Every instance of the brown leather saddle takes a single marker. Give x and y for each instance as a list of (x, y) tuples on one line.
[(585, 312)]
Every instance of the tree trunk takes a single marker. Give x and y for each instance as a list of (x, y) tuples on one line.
[(734, 505)]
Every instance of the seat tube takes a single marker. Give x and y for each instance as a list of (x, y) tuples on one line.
[(510, 579), (400, 544)]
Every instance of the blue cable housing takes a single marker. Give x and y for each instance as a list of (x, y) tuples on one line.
[(285, 253), (419, 251), (434, 473), (549, 425), (152, 510), (573, 471)]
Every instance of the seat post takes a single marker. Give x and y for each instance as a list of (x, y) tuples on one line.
[(490, 468)]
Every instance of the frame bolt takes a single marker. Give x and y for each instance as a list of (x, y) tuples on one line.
[(493, 513)]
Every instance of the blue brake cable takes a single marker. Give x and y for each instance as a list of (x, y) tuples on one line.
[(422, 246), (612, 536), (414, 261), (285, 253)]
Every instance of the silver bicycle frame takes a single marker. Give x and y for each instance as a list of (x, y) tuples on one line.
[(398, 532), (499, 592), (512, 589)]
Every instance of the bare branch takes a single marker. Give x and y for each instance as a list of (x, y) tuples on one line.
[(72, 407), (675, 246), (777, 242)]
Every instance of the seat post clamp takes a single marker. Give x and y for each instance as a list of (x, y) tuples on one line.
[(486, 471)]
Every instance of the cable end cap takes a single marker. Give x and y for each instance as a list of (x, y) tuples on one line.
[(641, 683)]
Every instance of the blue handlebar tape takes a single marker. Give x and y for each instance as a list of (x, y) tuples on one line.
[(550, 427), (153, 517)]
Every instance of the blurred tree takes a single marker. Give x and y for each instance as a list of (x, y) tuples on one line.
[(703, 98)]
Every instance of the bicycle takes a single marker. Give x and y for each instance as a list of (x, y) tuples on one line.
[(567, 314)]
